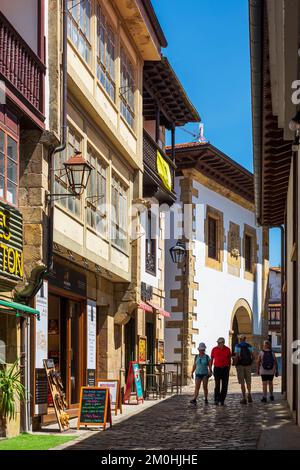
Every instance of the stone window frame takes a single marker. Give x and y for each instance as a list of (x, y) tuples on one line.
[(216, 214), (234, 263), (250, 232)]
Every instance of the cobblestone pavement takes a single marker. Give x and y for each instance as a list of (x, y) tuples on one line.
[(175, 424)]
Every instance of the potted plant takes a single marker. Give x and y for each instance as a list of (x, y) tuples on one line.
[(11, 391)]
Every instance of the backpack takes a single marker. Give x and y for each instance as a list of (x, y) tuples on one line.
[(245, 356), (206, 357), (268, 360)]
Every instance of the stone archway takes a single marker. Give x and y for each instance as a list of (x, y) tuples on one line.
[(241, 322)]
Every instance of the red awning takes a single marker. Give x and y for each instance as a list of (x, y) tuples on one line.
[(164, 313), (145, 307), (159, 310)]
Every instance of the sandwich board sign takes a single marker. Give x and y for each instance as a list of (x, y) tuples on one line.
[(94, 407), (115, 393), (134, 383)]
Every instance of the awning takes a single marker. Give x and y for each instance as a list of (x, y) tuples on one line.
[(158, 309), (20, 308), (145, 307)]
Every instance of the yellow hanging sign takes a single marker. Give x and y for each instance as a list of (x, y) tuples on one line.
[(163, 169)]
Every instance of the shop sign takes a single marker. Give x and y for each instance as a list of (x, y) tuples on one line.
[(68, 279), (11, 242), (94, 407), (41, 326), (91, 334), (146, 292), (41, 350)]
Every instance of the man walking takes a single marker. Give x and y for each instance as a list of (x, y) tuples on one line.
[(243, 361), (221, 359)]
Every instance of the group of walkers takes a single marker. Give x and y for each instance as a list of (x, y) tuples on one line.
[(219, 362)]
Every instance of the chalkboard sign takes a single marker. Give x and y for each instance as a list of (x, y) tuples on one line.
[(94, 407)]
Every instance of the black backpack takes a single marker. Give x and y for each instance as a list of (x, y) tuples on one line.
[(245, 356), (268, 360)]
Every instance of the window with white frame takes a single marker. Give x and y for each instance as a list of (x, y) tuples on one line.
[(79, 26), (105, 54), (96, 193), (127, 88), (61, 182), (9, 167), (119, 213)]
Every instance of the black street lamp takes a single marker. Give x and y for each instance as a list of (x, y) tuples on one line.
[(78, 171), (179, 256), (178, 253)]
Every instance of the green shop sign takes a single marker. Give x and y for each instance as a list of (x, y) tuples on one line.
[(11, 242)]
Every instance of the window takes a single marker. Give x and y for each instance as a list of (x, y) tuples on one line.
[(127, 88), (9, 162), (212, 238), (248, 253), (79, 26), (119, 216), (150, 252), (105, 54), (96, 193), (61, 181)]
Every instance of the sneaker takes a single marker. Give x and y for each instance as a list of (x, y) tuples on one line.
[(243, 401), (250, 399), (193, 402), (264, 400), (216, 403), (206, 401), (272, 397)]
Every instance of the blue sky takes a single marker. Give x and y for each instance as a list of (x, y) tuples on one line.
[(209, 50)]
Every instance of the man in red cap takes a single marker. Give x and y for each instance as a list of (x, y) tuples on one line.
[(221, 359)]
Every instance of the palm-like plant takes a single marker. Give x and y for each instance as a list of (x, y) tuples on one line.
[(11, 388)]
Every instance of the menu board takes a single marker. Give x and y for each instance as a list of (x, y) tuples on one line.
[(94, 407), (115, 393)]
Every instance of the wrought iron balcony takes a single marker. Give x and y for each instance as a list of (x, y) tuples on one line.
[(20, 67), (153, 184)]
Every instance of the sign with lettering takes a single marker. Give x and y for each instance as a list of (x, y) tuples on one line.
[(91, 334), (41, 392), (11, 242), (41, 326), (134, 383), (94, 407), (115, 393), (68, 279), (91, 377)]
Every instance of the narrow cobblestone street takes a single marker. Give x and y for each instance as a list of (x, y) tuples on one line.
[(175, 424)]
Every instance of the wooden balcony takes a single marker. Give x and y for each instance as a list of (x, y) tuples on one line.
[(21, 69), (153, 184)]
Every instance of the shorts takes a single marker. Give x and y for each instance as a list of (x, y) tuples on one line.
[(244, 374), (201, 376), (267, 377)]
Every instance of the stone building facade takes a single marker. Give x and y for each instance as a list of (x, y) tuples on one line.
[(221, 289)]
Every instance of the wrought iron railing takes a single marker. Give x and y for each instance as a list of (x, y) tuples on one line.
[(20, 66)]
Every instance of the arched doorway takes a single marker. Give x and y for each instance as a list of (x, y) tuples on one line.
[(241, 322)]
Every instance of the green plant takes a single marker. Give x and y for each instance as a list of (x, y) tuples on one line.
[(11, 389)]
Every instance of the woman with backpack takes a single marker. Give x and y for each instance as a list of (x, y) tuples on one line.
[(202, 366), (267, 367)]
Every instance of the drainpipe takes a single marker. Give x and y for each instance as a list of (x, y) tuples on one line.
[(62, 146)]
